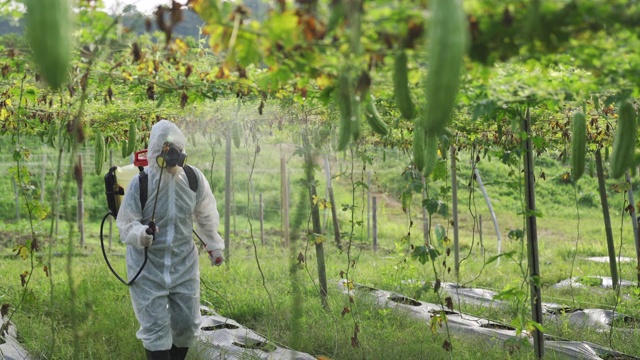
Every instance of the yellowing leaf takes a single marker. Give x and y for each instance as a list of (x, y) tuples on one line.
[(318, 238), (23, 278), (435, 323), (349, 285), (180, 46), (324, 204), (208, 10), (150, 67), (323, 81), (21, 251), (446, 241), (218, 37), (127, 76)]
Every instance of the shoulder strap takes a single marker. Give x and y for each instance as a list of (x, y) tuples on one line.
[(144, 183), (192, 177)]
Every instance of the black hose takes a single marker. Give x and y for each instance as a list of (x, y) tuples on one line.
[(104, 253)]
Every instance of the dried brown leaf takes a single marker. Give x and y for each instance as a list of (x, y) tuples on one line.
[(448, 302)]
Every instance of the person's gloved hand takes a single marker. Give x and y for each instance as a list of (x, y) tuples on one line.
[(145, 239), (216, 257), (141, 237)]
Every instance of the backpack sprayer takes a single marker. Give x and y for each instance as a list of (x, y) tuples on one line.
[(117, 180)]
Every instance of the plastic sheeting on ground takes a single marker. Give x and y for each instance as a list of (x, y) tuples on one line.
[(605, 259), (605, 282), (459, 323), (10, 347), (598, 319), (224, 338)]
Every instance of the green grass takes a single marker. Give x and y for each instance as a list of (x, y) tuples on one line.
[(105, 325), (104, 316)]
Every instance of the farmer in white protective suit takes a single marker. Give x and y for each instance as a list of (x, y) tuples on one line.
[(166, 295)]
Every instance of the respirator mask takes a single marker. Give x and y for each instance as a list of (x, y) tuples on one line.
[(171, 156)]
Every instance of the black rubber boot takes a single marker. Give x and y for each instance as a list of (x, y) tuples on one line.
[(158, 355), (178, 353)]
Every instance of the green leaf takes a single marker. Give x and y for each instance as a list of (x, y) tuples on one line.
[(160, 101), (441, 233), (440, 172), (496, 257), (426, 287), (247, 50), (282, 28), (360, 183), (510, 293), (532, 325), (516, 234), (406, 200), (424, 254), (431, 205), (443, 210), (416, 185), (536, 280)]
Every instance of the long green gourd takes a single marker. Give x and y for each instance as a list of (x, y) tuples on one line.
[(578, 145), (448, 39), (624, 142), (48, 30)]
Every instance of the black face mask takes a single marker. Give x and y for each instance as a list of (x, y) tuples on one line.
[(171, 156)]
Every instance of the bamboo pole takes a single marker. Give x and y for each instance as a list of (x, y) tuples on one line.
[(110, 217), (80, 198), (327, 171), (480, 233), (16, 194), (491, 211), (425, 218), (284, 195), (43, 176), (261, 211), (233, 200), (252, 193), (454, 205), (368, 205), (634, 223), (375, 223), (602, 189), (315, 219), (334, 216), (532, 237), (227, 195)]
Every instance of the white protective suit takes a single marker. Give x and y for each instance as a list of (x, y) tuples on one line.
[(166, 295)]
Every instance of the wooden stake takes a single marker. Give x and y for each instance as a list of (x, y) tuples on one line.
[(454, 209), (602, 189), (80, 206), (375, 224), (284, 196), (334, 216), (261, 207), (532, 237), (634, 224), (227, 194)]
